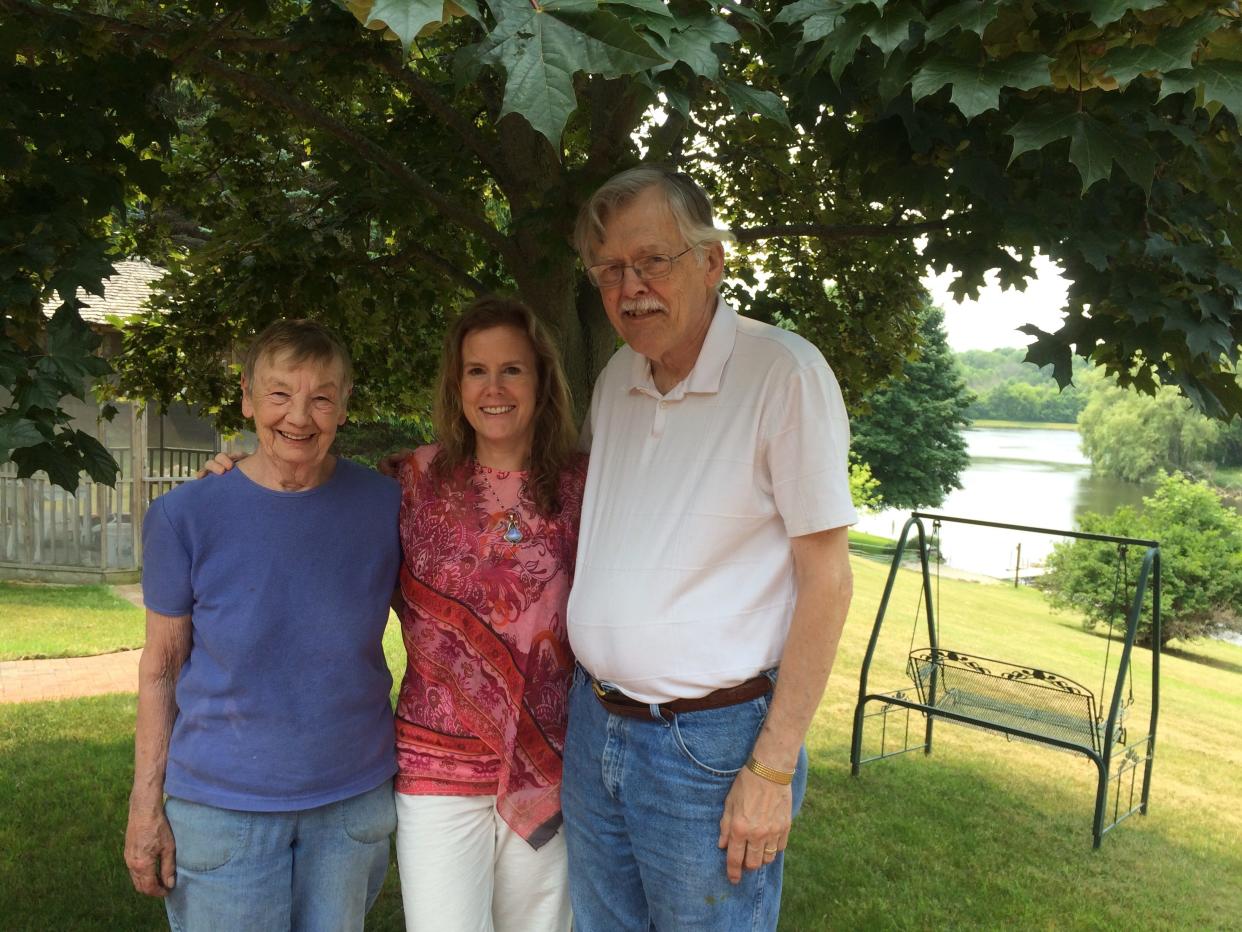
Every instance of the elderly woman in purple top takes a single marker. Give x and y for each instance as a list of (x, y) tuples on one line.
[(264, 750)]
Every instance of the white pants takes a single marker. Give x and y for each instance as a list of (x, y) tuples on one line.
[(464, 870)]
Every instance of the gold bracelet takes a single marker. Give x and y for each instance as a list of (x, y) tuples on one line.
[(783, 777)]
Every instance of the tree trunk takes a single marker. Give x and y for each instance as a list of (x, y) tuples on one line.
[(554, 288)]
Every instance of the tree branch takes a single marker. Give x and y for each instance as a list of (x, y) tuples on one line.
[(829, 231), (257, 88), (416, 252), (484, 146), (263, 91), (615, 104)]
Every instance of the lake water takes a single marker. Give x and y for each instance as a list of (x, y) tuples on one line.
[(1031, 476)]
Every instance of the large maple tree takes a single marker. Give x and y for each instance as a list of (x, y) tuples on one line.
[(378, 162)]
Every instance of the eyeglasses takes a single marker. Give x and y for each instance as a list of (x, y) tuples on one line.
[(646, 269)]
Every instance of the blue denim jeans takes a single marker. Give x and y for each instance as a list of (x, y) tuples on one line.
[(642, 802), (317, 870)]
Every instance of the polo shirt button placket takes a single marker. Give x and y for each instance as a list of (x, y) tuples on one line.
[(661, 416)]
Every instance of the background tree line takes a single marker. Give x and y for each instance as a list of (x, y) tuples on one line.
[(1007, 388)]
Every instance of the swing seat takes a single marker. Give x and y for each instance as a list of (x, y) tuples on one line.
[(1008, 697)]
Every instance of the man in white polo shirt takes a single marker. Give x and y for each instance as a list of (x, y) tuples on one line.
[(712, 552)]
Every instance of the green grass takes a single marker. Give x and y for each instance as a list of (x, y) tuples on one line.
[(872, 540), (65, 621), (1228, 477), (1043, 425), (983, 834)]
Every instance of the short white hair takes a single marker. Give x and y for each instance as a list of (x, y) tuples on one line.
[(687, 202)]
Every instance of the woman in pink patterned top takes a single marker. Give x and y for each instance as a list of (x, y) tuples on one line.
[(489, 530)]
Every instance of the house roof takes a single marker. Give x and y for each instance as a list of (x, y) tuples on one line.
[(125, 293)]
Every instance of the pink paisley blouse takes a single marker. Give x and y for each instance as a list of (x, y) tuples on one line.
[(482, 705)]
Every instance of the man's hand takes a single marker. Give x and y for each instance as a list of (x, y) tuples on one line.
[(150, 852), (390, 464), (219, 464), (755, 824)]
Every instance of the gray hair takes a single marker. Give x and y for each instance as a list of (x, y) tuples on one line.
[(300, 340), (688, 203)]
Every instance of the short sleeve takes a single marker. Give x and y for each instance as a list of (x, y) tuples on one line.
[(807, 439), (166, 566)]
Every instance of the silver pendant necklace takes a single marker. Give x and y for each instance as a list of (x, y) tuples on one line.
[(510, 525)]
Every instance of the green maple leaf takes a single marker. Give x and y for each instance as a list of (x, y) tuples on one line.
[(1104, 12), (1194, 259), (12, 361), (976, 88), (62, 468), (651, 7), (842, 43), (1172, 51), (540, 50), (44, 390), (801, 10), (17, 432), (692, 41), (1092, 150), (893, 27), (1047, 350), (821, 25), (747, 99), (1094, 147), (406, 18), (661, 26), (968, 16), (1039, 128), (1222, 82), (96, 459)]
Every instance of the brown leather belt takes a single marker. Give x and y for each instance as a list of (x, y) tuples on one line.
[(618, 703)]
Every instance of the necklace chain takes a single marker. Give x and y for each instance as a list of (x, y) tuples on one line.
[(510, 525)]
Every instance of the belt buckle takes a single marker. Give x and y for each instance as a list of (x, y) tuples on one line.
[(600, 692)]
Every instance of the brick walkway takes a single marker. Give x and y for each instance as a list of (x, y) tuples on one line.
[(37, 680)]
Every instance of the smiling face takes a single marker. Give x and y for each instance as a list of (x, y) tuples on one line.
[(296, 408), (665, 320), (499, 384)]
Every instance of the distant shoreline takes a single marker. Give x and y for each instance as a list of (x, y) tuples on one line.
[(1023, 425)]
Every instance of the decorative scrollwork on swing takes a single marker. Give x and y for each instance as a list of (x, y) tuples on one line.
[(1011, 671)]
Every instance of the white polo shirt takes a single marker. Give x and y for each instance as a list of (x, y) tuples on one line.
[(685, 577)]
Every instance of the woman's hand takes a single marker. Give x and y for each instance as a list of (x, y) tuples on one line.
[(219, 464), (390, 464)]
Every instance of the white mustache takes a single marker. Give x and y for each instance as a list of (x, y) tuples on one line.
[(642, 304)]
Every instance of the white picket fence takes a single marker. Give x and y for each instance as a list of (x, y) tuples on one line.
[(98, 528)]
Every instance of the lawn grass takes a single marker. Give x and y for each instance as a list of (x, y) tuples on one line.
[(1228, 477), (874, 540), (66, 621), (983, 834)]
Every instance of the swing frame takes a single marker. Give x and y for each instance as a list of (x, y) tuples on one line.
[(926, 700)]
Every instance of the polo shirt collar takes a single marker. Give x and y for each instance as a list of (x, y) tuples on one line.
[(705, 377)]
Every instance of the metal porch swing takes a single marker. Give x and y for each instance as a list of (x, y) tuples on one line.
[(1019, 701)]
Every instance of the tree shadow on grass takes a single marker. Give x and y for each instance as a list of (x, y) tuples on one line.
[(63, 805), (1216, 663), (65, 775), (961, 841)]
